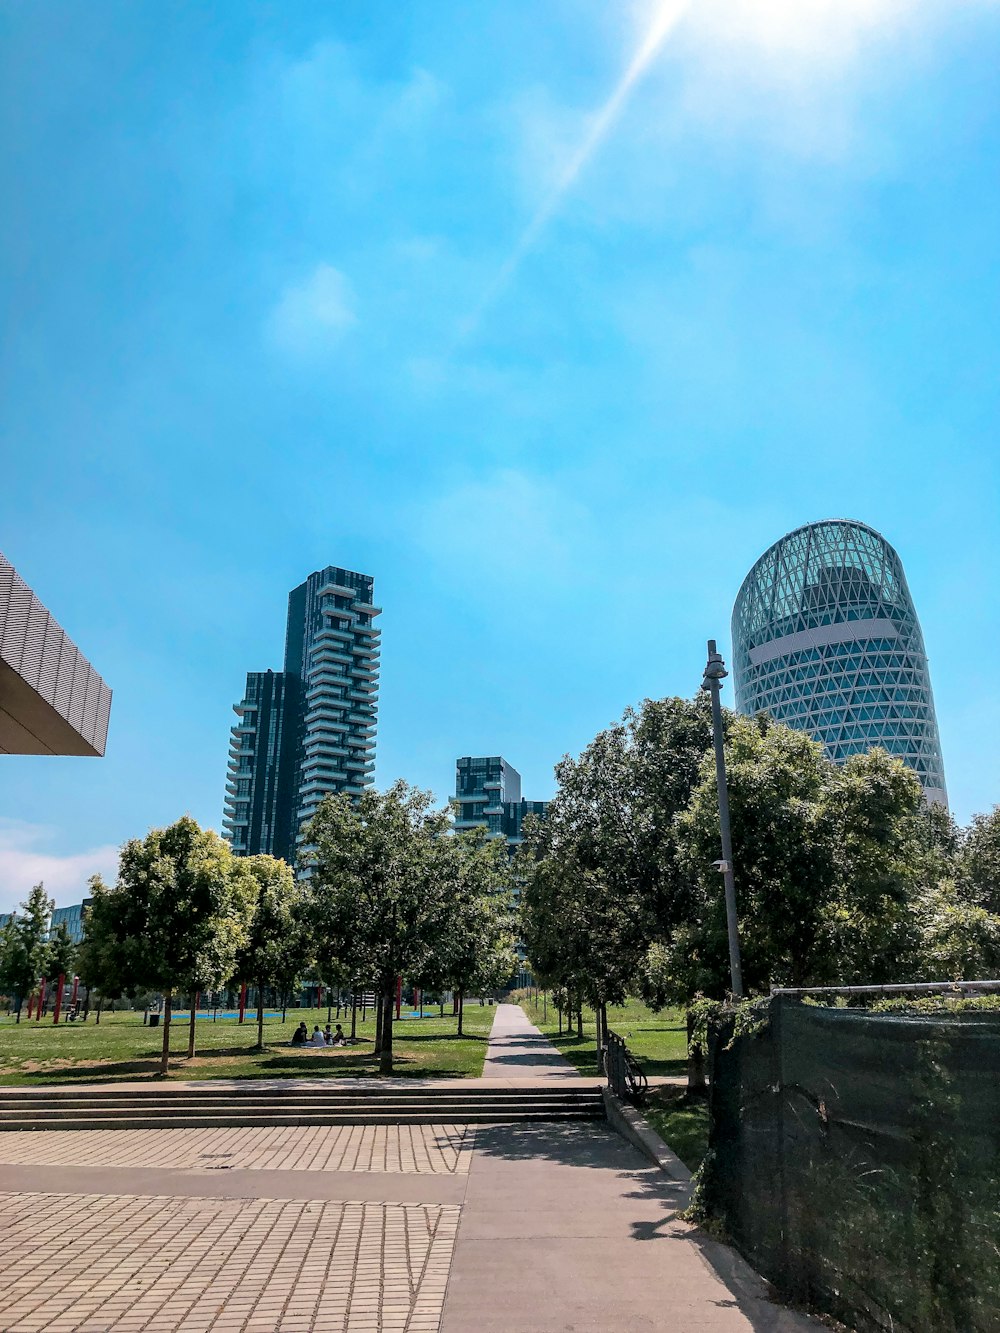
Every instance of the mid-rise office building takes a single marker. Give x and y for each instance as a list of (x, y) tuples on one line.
[(488, 794), (72, 918), (826, 639), (309, 730)]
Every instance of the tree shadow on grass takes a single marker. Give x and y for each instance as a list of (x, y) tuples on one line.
[(581, 1052)]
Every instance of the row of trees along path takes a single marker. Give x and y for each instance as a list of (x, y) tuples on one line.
[(844, 874), (387, 891)]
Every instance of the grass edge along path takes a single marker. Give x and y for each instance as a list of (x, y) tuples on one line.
[(121, 1048), (658, 1041)]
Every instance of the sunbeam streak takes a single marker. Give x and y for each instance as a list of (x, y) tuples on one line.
[(666, 18)]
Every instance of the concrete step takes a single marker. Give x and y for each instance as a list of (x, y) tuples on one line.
[(290, 1105), (294, 1108), (234, 1119), (152, 1092), (386, 1105), (193, 1108)]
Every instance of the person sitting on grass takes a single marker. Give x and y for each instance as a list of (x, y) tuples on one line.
[(301, 1035), (338, 1038), (328, 1035), (317, 1038)]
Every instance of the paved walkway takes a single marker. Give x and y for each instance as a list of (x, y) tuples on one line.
[(518, 1049), (548, 1227), (568, 1227)]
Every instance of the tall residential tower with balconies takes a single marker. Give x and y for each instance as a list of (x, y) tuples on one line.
[(309, 730)]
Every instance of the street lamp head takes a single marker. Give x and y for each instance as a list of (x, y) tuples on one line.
[(715, 670)]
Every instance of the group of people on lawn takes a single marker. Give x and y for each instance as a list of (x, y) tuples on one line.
[(301, 1037)]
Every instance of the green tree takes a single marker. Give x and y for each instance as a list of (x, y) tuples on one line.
[(603, 880), (376, 880), (25, 952), (979, 861), (783, 865), (957, 940), (276, 949), (62, 952), (884, 845), (475, 951), (181, 914), (102, 957), (15, 975)]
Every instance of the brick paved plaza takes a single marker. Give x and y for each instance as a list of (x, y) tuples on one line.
[(542, 1226)]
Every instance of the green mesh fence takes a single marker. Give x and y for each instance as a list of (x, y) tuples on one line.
[(855, 1159)]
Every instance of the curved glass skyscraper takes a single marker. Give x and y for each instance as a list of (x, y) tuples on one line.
[(825, 639)]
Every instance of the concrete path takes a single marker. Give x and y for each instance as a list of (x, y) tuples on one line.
[(567, 1227), (518, 1049)]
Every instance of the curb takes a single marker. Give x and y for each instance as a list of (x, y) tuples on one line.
[(633, 1127)]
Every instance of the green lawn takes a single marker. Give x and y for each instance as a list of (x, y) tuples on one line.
[(658, 1041), (681, 1122), (122, 1048)]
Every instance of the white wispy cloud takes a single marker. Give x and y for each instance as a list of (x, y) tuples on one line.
[(26, 860), (314, 313)]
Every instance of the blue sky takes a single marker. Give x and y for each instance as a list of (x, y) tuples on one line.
[(274, 299)]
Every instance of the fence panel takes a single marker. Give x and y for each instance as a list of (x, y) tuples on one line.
[(855, 1159)]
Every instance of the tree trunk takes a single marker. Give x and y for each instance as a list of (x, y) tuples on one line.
[(696, 1062), (260, 1018), (461, 1010), (379, 1023), (329, 1008), (560, 1020), (19, 1002), (579, 1019), (100, 1006), (86, 1005), (284, 1006), (165, 1051), (385, 1055), (194, 1014), (354, 1015)]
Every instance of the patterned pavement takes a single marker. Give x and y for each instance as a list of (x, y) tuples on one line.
[(139, 1264), (405, 1149)]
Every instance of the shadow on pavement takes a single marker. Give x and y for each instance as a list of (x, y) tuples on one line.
[(597, 1147)]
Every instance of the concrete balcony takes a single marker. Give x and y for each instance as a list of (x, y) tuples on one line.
[(331, 589), (329, 652), (318, 754), (326, 691), (360, 765), (245, 707)]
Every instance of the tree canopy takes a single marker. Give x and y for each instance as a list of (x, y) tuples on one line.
[(376, 886)]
